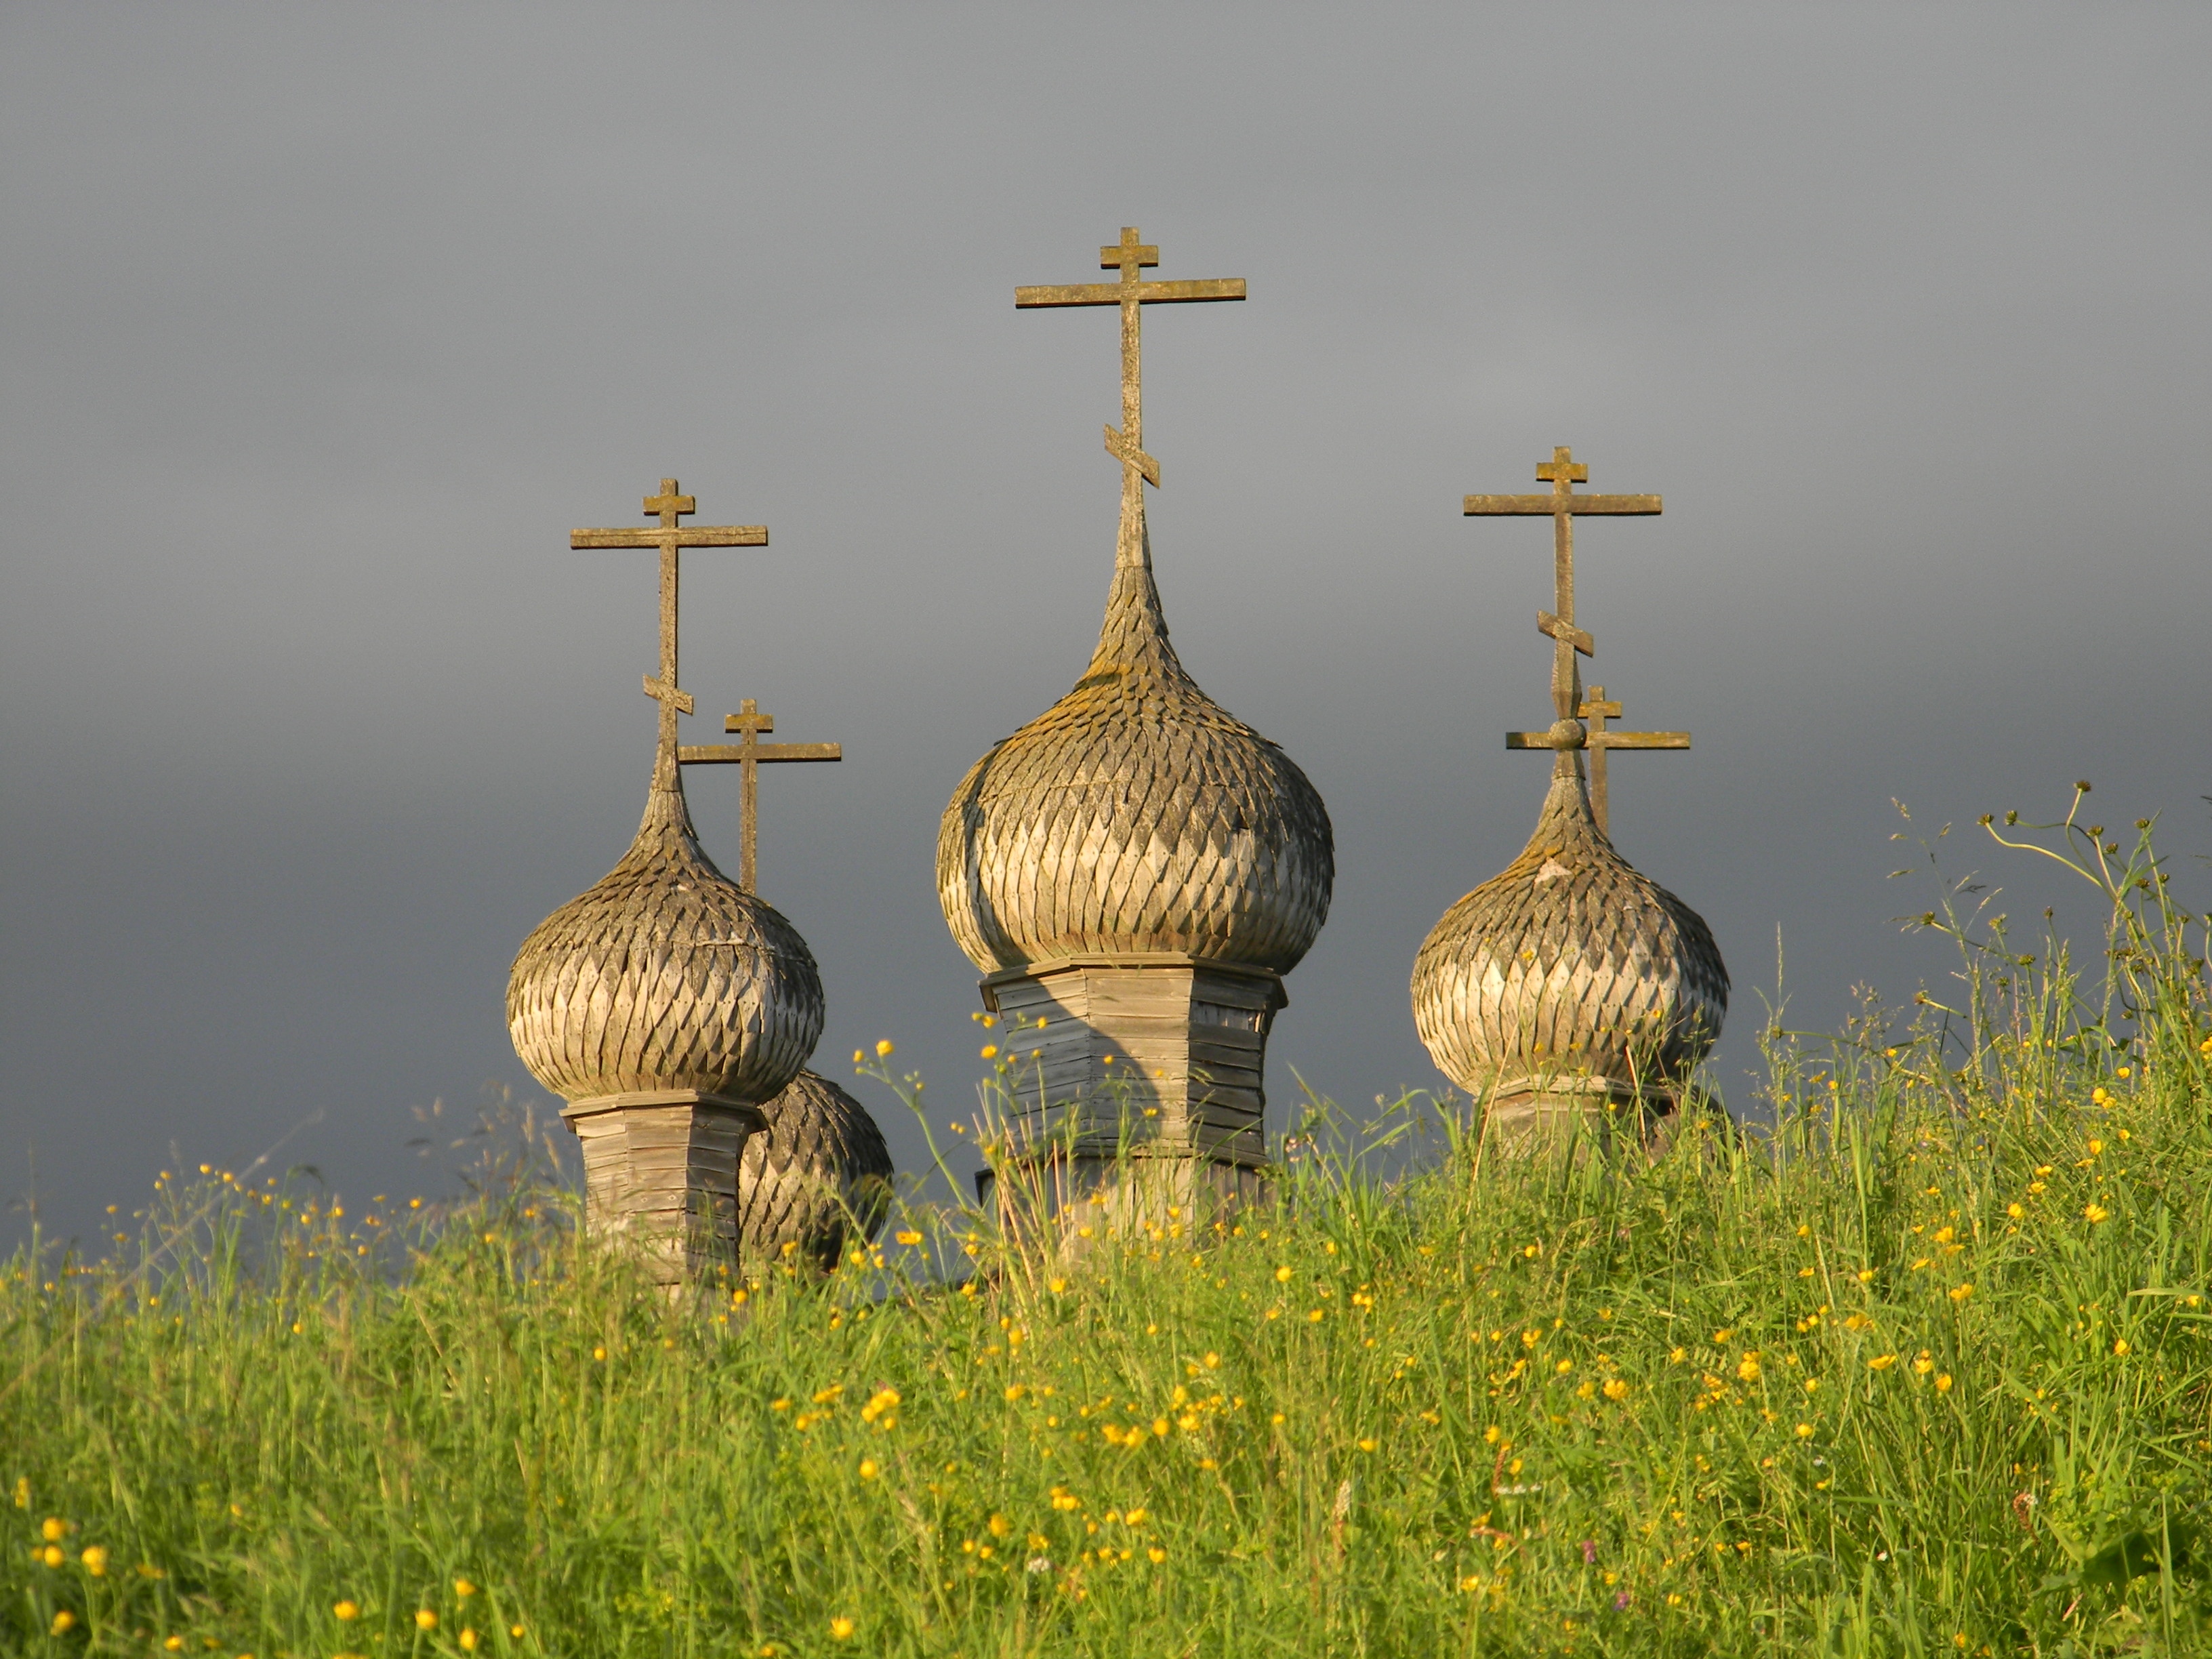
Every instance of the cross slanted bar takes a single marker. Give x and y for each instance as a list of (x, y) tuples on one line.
[(749, 756), (1562, 506), (1594, 712), (670, 536), (1132, 293)]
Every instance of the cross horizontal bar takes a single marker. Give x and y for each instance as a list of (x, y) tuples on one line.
[(730, 754), (1551, 627), (1122, 450), (1112, 293), (734, 535), (660, 690), (1639, 739), (1545, 505), (1533, 740)]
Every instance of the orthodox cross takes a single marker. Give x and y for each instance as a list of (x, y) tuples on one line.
[(1132, 293), (748, 757), (669, 536), (1594, 711), (1562, 506)]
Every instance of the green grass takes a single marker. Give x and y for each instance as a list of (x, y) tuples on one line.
[(1928, 1370)]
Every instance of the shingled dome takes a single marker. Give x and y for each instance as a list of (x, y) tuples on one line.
[(1135, 816), (816, 1181), (1569, 972), (665, 976)]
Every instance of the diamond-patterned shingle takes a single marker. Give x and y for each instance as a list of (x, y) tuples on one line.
[(1135, 814), (665, 975), (1569, 963)]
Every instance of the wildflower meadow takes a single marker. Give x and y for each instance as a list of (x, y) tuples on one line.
[(1919, 1361)]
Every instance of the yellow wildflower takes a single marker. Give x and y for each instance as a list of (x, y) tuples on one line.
[(1943, 1382), (53, 1530), (841, 1627), (2096, 1213), (1615, 1389), (347, 1611), (95, 1561), (463, 1589), (63, 1621), (1881, 1362), (884, 1049), (425, 1620)]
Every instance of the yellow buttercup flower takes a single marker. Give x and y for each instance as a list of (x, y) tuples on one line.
[(54, 1529), (95, 1561), (65, 1620), (990, 1051), (2120, 1346), (907, 1237), (463, 1589), (884, 1049), (468, 1641), (1943, 1382), (1881, 1362), (425, 1620), (1749, 1369), (1616, 1389), (1282, 1275), (868, 1469), (347, 1611), (841, 1627), (2096, 1213)]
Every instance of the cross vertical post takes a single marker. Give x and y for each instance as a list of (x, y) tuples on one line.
[(1132, 294), (748, 756), (670, 536)]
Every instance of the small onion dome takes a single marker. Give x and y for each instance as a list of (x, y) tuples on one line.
[(1569, 972), (817, 1180), (1134, 816), (666, 975)]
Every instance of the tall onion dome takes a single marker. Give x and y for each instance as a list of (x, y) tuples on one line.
[(816, 1182), (1134, 871), (666, 1003), (1568, 984)]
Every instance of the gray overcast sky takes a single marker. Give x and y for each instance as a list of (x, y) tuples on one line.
[(323, 325)]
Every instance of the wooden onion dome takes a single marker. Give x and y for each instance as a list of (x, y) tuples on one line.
[(1135, 816), (1569, 982), (665, 976), (816, 1182), (1570, 974), (668, 1002), (1136, 869)]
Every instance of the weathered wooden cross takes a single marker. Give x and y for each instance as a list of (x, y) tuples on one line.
[(670, 536), (1132, 294), (1562, 506), (1595, 712), (749, 756)]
